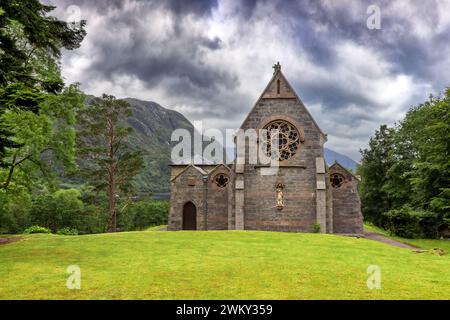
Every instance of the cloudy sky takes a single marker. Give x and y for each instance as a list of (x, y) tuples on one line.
[(210, 60)]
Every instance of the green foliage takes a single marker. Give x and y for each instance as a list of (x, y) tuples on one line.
[(68, 231), (36, 229), (38, 117), (102, 142), (143, 214), (109, 163), (316, 227), (45, 140), (409, 223), (373, 170), (14, 210), (406, 172), (60, 209), (30, 46)]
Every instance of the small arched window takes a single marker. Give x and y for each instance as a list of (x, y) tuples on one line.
[(278, 86)]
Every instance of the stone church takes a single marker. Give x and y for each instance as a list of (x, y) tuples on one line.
[(305, 195)]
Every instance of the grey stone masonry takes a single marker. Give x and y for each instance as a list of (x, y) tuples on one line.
[(301, 192)]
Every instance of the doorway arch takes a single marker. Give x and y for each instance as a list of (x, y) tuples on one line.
[(189, 216)]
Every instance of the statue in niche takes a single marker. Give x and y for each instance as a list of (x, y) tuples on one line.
[(280, 199)]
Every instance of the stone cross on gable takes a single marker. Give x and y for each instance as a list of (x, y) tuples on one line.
[(276, 67)]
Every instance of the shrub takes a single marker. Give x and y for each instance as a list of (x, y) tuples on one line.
[(143, 214), (411, 223), (37, 229), (316, 227), (14, 210), (68, 231), (58, 210)]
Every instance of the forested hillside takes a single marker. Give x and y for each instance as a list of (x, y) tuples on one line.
[(152, 127)]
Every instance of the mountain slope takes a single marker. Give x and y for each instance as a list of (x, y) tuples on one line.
[(153, 126), (332, 156)]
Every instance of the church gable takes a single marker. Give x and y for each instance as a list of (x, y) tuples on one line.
[(189, 170), (347, 217), (336, 167), (278, 98), (278, 87)]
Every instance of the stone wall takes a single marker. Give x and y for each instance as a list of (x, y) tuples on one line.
[(187, 186), (217, 200), (347, 217), (298, 175), (249, 201)]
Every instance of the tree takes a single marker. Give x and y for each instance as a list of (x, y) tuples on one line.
[(46, 140), (30, 46), (375, 163), (61, 209), (107, 159), (427, 126), (406, 172)]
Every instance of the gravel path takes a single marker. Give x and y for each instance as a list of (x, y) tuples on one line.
[(9, 240), (384, 239)]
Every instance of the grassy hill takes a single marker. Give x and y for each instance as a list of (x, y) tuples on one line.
[(218, 265)]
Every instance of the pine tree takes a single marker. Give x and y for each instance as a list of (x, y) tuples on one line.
[(109, 162)]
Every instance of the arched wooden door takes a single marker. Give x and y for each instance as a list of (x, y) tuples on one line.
[(189, 216)]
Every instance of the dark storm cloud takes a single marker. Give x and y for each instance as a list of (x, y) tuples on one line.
[(197, 7), (396, 41), (405, 50), (175, 57)]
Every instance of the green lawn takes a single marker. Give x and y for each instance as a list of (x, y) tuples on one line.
[(218, 265)]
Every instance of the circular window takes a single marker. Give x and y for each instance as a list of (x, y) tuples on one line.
[(288, 139), (336, 180), (221, 180)]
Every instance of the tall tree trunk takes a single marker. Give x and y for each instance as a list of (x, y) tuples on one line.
[(10, 173), (112, 180), (112, 204)]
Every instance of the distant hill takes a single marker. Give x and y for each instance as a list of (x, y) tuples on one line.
[(332, 156)]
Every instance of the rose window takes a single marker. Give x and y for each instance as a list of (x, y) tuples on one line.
[(288, 139), (221, 180), (336, 180)]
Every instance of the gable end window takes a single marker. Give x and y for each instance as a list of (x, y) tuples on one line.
[(221, 180), (288, 140), (337, 180)]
